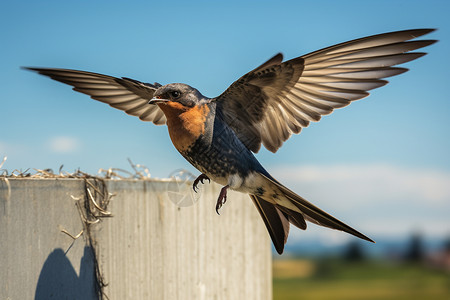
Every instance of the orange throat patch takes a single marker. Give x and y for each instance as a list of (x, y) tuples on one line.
[(185, 124)]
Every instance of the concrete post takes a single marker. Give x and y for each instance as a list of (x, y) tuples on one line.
[(146, 248)]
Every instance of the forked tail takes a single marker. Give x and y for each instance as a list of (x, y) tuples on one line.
[(288, 207)]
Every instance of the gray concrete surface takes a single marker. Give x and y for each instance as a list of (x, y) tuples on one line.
[(149, 249)]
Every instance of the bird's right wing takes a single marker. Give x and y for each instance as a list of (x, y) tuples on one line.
[(277, 99), (126, 94)]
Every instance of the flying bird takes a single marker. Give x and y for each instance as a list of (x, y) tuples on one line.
[(218, 136)]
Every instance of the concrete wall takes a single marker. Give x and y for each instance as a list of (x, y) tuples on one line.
[(149, 248)]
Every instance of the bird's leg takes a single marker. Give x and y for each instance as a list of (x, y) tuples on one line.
[(199, 179), (222, 198)]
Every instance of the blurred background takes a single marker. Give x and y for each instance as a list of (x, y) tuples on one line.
[(381, 165)]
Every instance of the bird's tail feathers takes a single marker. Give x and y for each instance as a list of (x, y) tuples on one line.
[(295, 218), (310, 212), (276, 222)]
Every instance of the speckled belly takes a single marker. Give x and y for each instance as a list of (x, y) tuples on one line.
[(223, 158)]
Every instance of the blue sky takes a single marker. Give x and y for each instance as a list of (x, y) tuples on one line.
[(396, 138)]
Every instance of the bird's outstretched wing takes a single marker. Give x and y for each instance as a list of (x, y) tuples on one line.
[(277, 99), (125, 94)]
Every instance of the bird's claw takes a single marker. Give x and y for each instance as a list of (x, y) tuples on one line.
[(200, 179), (219, 204), (222, 198)]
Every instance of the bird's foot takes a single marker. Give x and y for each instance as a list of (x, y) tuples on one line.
[(222, 198), (200, 179)]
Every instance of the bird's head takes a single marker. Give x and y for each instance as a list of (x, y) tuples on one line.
[(177, 92)]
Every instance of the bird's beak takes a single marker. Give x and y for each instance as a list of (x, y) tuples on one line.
[(156, 100)]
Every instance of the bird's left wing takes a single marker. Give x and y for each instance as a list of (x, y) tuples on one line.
[(277, 99), (125, 94)]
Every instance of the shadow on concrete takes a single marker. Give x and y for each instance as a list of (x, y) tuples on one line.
[(58, 279)]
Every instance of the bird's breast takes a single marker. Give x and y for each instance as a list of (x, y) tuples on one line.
[(185, 124)]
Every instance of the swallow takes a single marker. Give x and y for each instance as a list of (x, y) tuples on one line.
[(220, 135)]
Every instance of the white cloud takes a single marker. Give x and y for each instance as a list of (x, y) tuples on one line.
[(378, 199), (377, 229), (371, 181), (64, 144)]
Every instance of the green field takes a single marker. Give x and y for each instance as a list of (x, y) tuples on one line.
[(338, 279)]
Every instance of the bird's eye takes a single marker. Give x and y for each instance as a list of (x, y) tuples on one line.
[(175, 94)]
